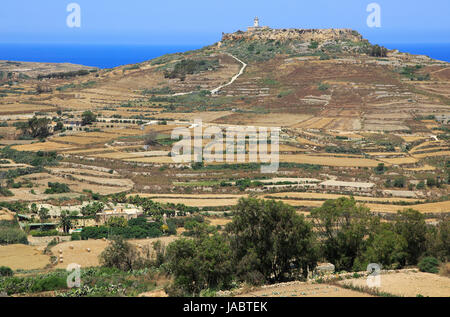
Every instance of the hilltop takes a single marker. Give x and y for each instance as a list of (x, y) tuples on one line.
[(283, 35), (307, 78)]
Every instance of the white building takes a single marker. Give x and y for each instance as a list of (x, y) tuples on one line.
[(347, 186)]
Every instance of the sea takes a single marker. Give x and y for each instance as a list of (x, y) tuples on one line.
[(109, 56), (101, 56)]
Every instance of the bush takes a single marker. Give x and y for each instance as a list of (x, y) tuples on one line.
[(270, 238), (6, 271), (429, 264), (76, 236), (12, 236), (120, 255), (199, 264), (44, 233), (57, 188)]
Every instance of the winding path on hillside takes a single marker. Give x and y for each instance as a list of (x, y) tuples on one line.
[(216, 90), (244, 66)]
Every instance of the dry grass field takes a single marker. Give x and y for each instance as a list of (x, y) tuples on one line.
[(328, 161), (25, 257), (303, 289), (321, 196), (43, 146), (409, 284), (76, 251)]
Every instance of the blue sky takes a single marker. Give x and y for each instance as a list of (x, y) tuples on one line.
[(195, 22)]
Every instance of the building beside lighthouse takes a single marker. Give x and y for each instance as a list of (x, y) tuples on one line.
[(256, 26)]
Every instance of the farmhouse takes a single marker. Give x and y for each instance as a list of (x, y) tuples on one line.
[(346, 186), (443, 118), (129, 213)]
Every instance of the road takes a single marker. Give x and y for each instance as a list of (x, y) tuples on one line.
[(216, 90)]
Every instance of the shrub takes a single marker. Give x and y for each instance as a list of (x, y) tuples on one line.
[(12, 236), (429, 264), (283, 253), (45, 233), (120, 255), (57, 188), (6, 271)]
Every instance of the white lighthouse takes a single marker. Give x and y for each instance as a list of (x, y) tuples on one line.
[(256, 26), (256, 23)]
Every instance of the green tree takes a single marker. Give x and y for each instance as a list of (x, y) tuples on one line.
[(117, 222), (43, 214), (343, 225), (270, 242), (92, 209), (411, 225), (6, 271), (199, 264), (384, 247), (429, 264), (120, 255), (88, 117), (35, 127), (65, 221), (438, 238)]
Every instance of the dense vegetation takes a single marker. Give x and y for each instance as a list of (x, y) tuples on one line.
[(134, 229), (39, 158), (189, 67), (35, 127), (10, 233), (57, 188), (66, 75)]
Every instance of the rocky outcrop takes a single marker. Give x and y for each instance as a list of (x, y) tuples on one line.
[(282, 35)]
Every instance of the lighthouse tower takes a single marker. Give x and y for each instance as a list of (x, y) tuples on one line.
[(256, 23)]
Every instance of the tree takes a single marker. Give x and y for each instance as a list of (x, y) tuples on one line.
[(342, 226), (65, 221), (92, 209), (120, 255), (270, 242), (438, 238), (59, 126), (43, 214), (117, 222), (380, 169), (198, 264), (35, 127), (151, 139), (429, 264), (88, 117), (385, 247), (6, 271), (411, 225)]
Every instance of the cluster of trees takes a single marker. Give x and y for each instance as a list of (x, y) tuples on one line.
[(138, 228), (64, 75), (39, 158), (378, 51), (57, 188), (352, 237), (190, 66), (10, 233), (35, 127), (268, 242), (92, 209), (153, 208)]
